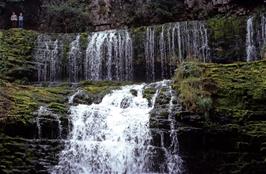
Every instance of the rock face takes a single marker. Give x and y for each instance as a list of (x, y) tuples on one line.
[(106, 14), (226, 134)]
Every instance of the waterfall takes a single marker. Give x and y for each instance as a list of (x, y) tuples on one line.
[(149, 53), (163, 55), (176, 42), (109, 56), (174, 161), (114, 137), (45, 115), (165, 147), (250, 41), (47, 60), (74, 59), (263, 30)]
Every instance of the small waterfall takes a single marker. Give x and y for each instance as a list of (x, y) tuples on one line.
[(47, 60), (71, 98), (74, 59), (250, 41), (109, 56), (163, 56), (174, 161), (38, 121), (44, 114), (149, 53), (263, 30), (176, 42), (167, 149)]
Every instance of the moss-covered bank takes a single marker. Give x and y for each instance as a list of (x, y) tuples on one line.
[(224, 124), (16, 47), (19, 103)]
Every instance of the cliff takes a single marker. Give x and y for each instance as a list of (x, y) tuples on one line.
[(52, 16)]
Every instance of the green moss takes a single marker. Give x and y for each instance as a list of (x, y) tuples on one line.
[(101, 87), (191, 87), (18, 103), (237, 90), (148, 93), (16, 52), (58, 108)]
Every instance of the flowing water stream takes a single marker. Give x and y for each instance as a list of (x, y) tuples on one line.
[(113, 136)]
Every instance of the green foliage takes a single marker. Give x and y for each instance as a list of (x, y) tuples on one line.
[(227, 36), (165, 9), (191, 86), (235, 90), (73, 15)]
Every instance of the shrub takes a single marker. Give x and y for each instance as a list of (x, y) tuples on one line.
[(191, 88)]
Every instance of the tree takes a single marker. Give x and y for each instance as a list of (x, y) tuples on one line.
[(71, 15)]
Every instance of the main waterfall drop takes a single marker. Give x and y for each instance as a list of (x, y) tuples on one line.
[(113, 137)]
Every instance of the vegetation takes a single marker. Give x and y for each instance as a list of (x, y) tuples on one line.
[(72, 15), (192, 88), (237, 90), (227, 37), (16, 47), (19, 102)]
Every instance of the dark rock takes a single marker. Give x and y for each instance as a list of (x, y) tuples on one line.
[(134, 92)]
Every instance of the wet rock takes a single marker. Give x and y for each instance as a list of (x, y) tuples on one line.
[(134, 92), (126, 102)]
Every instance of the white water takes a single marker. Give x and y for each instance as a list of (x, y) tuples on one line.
[(250, 41), (111, 137), (174, 43), (263, 30), (45, 114), (47, 59), (74, 59), (109, 56), (149, 54)]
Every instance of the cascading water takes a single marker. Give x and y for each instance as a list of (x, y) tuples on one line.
[(109, 56), (44, 114), (74, 59), (263, 30), (163, 56), (176, 42), (165, 148), (149, 53), (47, 59), (111, 137), (250, 41)]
